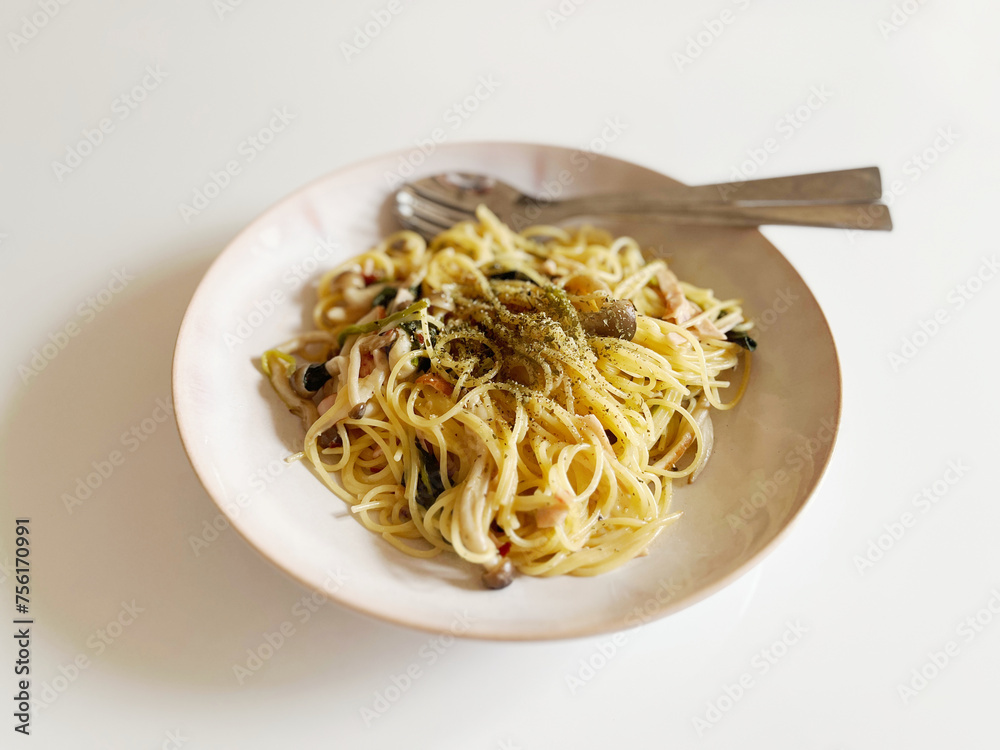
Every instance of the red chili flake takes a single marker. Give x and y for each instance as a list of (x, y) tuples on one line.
[(504, 549), (369, 278)]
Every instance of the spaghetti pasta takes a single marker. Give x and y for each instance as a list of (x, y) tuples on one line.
[(526, 400)]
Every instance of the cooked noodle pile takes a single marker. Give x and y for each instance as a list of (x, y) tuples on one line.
[(523, 399)]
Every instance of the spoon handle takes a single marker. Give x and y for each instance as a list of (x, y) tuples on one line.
[(871, 216), (842, 186)]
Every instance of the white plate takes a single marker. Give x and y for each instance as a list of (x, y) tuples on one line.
[(770, 450)]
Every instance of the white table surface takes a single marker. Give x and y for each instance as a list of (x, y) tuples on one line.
[(833, 83)]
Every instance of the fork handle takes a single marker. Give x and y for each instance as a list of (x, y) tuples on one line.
[(874, 216), (841, 186)]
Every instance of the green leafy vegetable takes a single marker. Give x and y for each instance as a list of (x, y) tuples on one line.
[(415, 332), (385, 297), (743, 339), (430, 478)]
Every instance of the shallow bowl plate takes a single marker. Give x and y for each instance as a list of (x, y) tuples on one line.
[(770, 450)]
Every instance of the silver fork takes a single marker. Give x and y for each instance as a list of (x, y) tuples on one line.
[(844, 198)]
